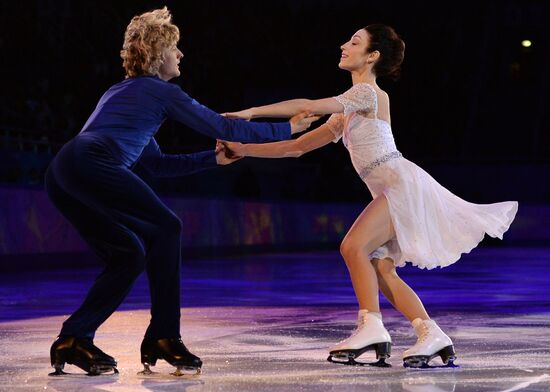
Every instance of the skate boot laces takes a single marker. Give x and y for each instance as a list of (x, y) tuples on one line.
[(423, 333), (361, 323)]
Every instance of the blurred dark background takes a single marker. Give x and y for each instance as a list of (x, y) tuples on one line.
[(471, 106)]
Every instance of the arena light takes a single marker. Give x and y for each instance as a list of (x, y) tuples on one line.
[(526, 43)]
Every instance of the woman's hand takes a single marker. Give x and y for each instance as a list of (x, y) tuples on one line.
[(243, 114), (301, 121), (224, 154), (233, 149)]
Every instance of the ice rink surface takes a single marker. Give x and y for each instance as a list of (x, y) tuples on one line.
[(264, 323)]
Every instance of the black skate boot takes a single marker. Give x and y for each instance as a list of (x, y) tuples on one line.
[(80, 352), (173, 351)]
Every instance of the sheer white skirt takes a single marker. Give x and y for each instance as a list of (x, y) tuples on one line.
[(433, 226)]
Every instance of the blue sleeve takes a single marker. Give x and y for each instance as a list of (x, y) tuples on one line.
[(181, 107), (172, 165)]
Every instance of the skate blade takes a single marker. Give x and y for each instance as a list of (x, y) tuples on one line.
[(447, 355), (95, 370), (179, 372), (147, 372), (183, 372), (424, 363), (350, 361), (428, 366), (98, 370), (58, 373), (348, 357)]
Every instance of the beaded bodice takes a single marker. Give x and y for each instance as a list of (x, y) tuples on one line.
[(368, 139)]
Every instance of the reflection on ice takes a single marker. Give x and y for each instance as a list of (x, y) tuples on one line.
[(243, 352), (273, 332)]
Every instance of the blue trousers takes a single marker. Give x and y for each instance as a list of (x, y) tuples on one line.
[(127, 225)]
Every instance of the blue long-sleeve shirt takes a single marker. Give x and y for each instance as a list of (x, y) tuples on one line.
[(160, 164), (131, 112)]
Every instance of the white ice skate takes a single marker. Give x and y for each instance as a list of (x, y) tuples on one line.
[(369, 335), (432, 342)]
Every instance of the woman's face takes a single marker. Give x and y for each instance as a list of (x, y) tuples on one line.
[(170, 67), (354, 52)]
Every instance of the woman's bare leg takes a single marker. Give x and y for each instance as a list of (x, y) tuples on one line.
[(401, 296), (371, 229)]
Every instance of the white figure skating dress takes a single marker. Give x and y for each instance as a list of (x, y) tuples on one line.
[(433, 226)]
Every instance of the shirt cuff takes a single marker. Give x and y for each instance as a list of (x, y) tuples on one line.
[(209, 158), (285, 130)]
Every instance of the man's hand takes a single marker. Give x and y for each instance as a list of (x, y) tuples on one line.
[(233, 149), (225, 156)]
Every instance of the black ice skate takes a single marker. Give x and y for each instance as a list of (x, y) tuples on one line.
[(173, 351), (80, 352)]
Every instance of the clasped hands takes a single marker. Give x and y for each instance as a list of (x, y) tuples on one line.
[(229, 152)]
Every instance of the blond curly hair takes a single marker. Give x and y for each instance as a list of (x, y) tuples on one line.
[(145, 38)]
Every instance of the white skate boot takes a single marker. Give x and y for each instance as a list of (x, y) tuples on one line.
[(432, 342), (369, 335)]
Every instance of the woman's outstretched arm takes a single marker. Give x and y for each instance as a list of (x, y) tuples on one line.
[(290, 108), (361, 97), (295, 148)]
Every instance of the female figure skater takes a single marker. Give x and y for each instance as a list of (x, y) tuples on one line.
[(91, 182), (411, 218)]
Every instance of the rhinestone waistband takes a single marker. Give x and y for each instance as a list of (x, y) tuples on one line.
[(377, 162)]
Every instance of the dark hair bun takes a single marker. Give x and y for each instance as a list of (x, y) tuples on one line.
[(391, 47)]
